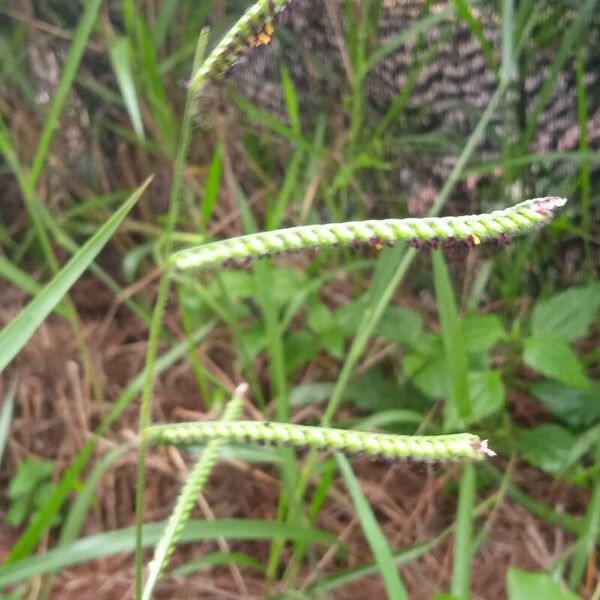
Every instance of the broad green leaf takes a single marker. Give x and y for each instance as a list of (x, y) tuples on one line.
[(554, 358), (21, 279), (332, 341), (522, 585), (310, 393), (17, 511), (29, 474), (574, 406), (374, 391), (487, 392), (319, 317), (300, 348), (397, 324), (548, 447), (285, 285), (482, 332), (429, 374), (17, 333), (400, 325), (567, 315)]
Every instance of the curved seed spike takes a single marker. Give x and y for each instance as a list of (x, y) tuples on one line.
[(254, 28), (194, 484), (462, 446), (470, 230)]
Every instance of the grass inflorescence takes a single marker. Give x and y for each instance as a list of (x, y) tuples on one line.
[(432, 232), (254, 28), (380, 445)]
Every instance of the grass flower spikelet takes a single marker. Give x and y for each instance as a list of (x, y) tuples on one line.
[(462, 446), (471, 230), (253, 29)]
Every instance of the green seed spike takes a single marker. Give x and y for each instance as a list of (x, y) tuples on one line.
[(463, 446), (254, 28), (471, 230)]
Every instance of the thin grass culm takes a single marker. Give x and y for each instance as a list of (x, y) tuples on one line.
[(462, 446), (430, 232)]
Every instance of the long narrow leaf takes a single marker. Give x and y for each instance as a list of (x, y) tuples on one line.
[(16, 334), (454, 343), (123, 540), (377, 541), (6, 413)]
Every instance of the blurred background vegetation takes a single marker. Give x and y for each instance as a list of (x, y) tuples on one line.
[(354, 110)]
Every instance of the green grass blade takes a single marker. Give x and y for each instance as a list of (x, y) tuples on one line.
[(120, 58), (575, 32), (164, 20), (391, 46), (16, 334), (87, 495), (377, 540), (588, 539), (217, 559), (585, 181), (82, 34), (78, 512), (464, 12), (6, 413), (10, 272), (454, 343), (463, 547), (123, 540), (211, 187)]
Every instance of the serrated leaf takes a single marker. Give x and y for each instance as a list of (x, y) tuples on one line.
[(554, 358), (567, 315), (522, 585)]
